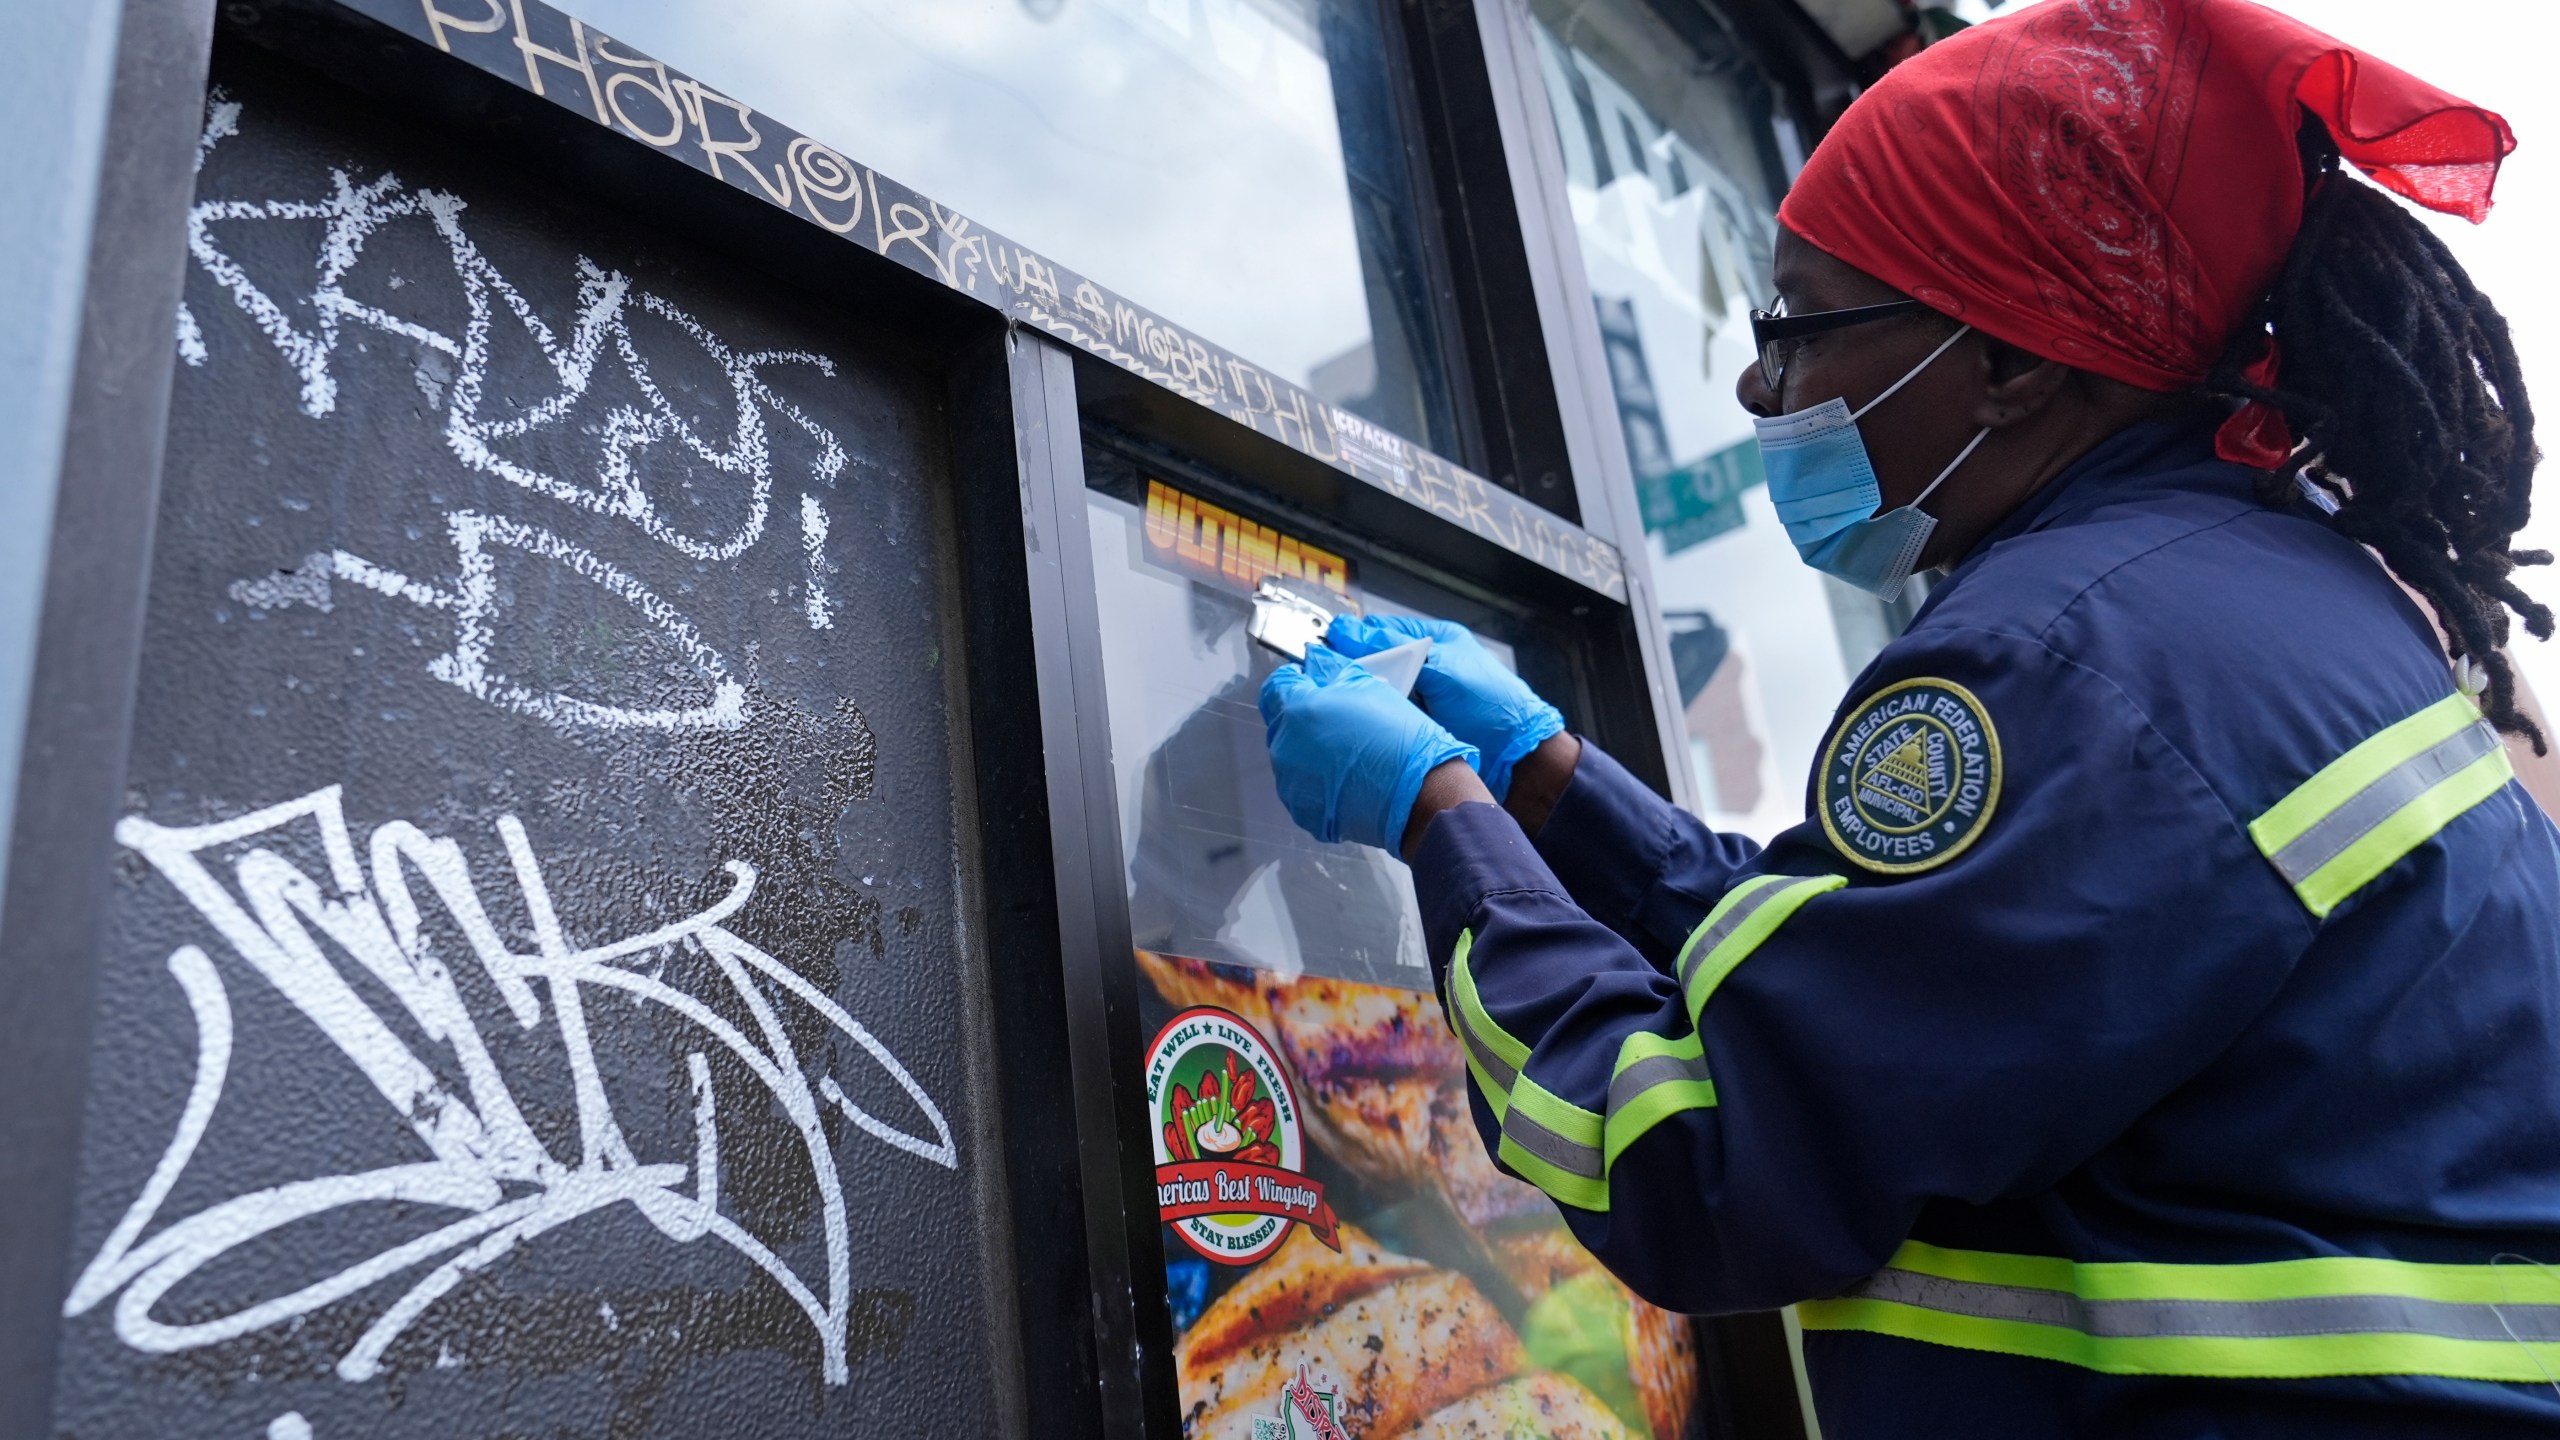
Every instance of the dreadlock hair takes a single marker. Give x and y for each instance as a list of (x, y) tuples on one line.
[(2400, 378)]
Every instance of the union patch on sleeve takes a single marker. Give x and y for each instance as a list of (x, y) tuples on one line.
[(1910, 778)]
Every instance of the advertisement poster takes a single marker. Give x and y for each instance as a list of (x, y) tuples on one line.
[(1342, 1257)]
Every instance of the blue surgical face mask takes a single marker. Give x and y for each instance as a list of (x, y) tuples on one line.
[(1826, 493)]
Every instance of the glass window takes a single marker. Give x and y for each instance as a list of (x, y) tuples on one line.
[(1299, 1043), (1673, 171), (1217, 870), (1238, 166)]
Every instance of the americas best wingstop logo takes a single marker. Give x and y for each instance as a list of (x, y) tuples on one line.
[(1228, 1140), (1910, 778)]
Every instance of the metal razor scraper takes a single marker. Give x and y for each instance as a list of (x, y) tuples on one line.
[(1289, 622)]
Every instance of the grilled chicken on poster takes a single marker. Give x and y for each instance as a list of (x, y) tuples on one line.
[(1458, 1305)]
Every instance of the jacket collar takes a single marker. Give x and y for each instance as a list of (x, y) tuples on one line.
[(2174, 453)]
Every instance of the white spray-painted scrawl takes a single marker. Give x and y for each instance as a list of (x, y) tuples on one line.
[(624, 475), (502, 1182), (473, 601), (221, 120)]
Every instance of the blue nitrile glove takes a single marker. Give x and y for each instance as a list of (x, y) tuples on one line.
[(1348, 751), (1463, 687)]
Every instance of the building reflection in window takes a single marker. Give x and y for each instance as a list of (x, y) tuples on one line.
[(1674, 162), (1238, 166)]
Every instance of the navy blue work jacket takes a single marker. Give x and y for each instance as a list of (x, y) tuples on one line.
[(2154, 1031)]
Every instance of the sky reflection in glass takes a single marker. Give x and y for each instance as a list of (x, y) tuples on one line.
[(1234, 165)]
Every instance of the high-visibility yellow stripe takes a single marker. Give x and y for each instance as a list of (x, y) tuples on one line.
[(1646, 1045), (1768, 907), (2381, 800), (1731, 909), (1554, 1144), (2408, 828), (1567, 1150), (1494, 1057), (1558, 1114), (1656, 1078), (2298, 1357), (2310, 1276), (2326, 1315), (2340, 779)]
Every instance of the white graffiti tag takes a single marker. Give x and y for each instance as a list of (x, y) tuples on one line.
[(484, 430), (504, 1182), (473, 600)]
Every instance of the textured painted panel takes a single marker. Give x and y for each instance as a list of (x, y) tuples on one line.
[(539, 998)]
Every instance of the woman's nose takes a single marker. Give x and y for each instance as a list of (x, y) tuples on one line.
[(1754, 394)]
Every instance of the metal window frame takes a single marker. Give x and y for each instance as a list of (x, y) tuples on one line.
[(1567, 334), (1744, 1354), (1749, 1370), (88, 646), (1028, 374)]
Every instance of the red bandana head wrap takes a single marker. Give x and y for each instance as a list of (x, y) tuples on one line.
[(2114, 183)]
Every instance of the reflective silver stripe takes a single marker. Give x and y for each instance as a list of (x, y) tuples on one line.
[(1705, 941), (1547, 1145), (2329, 837), (1651, 1071), (1496, 1068), (2230, 1319)]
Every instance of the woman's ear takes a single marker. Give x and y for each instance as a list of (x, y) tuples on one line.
[(2016, 384)]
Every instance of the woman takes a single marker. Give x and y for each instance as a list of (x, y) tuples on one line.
[(2155, 1030)]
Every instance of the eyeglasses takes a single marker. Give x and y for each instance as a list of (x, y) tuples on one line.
[(1776, 332)]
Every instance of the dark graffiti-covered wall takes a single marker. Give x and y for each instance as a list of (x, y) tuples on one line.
[(541, 996)]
